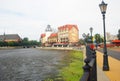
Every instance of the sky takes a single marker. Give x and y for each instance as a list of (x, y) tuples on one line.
[(29, 18)]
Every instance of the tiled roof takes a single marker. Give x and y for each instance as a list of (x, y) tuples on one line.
[(53, 35), (67, 26), (43, 35), (9, 37)]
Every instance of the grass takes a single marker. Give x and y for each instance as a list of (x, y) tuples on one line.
[(70, 67), (73, 71)]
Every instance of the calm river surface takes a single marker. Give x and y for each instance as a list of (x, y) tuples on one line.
[(29, 64)]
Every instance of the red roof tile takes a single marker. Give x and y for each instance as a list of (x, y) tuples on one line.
[(67, 26), (43, 35), (53, 35)]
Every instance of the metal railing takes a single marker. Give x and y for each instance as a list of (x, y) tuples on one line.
[(90, 69)]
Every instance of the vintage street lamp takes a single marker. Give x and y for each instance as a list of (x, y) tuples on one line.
[(103, 7), (84, 36), (91, 30)]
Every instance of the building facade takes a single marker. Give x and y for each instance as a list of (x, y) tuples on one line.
[(48, 32), (44, 36), (53, 38), (43, 39), (10, 38), (66, 35)]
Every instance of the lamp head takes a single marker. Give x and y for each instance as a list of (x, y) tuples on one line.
[(103, 7)]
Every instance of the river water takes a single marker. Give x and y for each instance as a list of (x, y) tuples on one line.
[(30, 64)]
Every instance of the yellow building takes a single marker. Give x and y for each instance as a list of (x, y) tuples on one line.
[(68, 34), (53, 38)]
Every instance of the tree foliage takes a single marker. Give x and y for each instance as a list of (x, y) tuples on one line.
[(98, 38), (118, 35), (24, 42), (87, 38), (81, 41)]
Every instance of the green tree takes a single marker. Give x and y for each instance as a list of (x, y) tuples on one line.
[(33, 42), (118, 35), (1, 43), (87, 38), (5, 43), (25, 39), (81, 41), (98, 38), (10, 43), (26, 42)]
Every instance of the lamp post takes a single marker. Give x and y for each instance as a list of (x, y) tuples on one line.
[(103, 7), (91, 30), (84, 36)]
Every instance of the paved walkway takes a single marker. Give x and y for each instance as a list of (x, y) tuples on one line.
[(114, 65), (101, 76)]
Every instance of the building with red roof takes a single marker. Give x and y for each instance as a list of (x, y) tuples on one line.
[(44, 36), (10, 38), (53, 38), (68, 34), (69, 27)]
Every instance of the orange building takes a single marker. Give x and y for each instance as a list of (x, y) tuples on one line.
[(68, 34)]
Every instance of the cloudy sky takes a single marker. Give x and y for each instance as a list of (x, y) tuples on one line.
[(29, 18)]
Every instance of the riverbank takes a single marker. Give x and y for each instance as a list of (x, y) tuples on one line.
[(61, 48), (56, 48), (69, 68), (73, 71), (9, 47), (2, 48)]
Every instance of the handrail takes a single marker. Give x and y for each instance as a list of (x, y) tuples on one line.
[(90, 69)]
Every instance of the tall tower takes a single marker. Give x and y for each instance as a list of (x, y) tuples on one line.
[(48, 29), (48, 32)]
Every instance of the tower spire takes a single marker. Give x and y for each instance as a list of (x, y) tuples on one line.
[(48, 29)]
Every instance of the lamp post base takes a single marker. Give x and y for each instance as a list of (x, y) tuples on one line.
[(105, 68), (105, 63)]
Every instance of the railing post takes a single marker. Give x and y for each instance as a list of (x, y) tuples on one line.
[(93, 73), (86, 69), (95, 66)]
